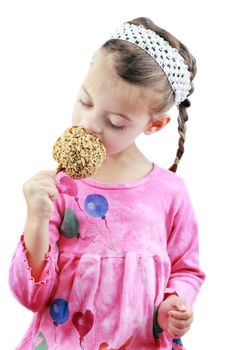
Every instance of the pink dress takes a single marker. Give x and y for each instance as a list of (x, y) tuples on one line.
[(115, 251)]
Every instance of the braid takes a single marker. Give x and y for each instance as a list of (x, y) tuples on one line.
[(183, 115), (182, 119)]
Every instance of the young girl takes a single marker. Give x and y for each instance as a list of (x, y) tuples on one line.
[(111, 261)]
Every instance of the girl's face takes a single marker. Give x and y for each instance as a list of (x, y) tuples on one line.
[(114, 110)]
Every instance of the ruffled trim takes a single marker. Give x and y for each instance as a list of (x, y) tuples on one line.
[(45, 275)]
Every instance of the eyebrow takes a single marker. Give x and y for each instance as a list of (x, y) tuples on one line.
[(121, 115)]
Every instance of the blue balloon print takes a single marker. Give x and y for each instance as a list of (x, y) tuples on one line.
[(96, 205), (59, 311)]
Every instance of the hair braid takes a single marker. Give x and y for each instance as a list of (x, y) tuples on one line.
[(182, 119), (183, 115)]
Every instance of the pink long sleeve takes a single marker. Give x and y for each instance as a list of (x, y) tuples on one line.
[(186, 276), (30, 293)]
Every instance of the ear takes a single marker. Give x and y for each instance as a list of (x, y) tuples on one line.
[(157, 123)]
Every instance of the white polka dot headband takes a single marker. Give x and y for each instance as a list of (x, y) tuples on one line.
[(164, 54)]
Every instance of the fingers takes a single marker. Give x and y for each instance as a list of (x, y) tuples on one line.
[(176, 332), (181, 324), (52, 192), (180, 321), (180, 315), (42, 184), (45, 173), (46, 181)]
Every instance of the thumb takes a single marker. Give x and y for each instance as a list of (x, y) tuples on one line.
[(181, 304), (182, 307)]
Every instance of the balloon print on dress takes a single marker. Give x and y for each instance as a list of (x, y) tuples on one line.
[(96, 205), (41, 343), (83, 322), (105, 346), (67, 186), (59, 311), (70, 225)]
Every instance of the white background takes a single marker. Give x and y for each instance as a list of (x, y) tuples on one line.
[(46, 47)]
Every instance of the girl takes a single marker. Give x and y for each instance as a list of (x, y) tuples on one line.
[(111, 261)]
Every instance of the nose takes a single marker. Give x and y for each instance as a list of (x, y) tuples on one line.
[(93, 129), (89, 123)]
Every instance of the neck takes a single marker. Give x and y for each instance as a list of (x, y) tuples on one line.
[(123, 158), (120, 165)]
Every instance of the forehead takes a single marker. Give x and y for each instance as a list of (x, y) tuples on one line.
[(102, 80)]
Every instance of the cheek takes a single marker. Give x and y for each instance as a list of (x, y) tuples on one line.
[(76, 113), (117, 143)]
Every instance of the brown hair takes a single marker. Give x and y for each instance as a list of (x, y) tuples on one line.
[(136, 66)]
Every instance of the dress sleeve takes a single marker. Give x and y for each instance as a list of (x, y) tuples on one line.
[(186, 276), (30, 293)]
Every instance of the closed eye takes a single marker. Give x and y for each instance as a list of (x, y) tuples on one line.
[(115, 127), (108, 121), (83, 103)]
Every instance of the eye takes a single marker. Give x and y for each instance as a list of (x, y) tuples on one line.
[(108, 122), (83, 103), (115, 127)]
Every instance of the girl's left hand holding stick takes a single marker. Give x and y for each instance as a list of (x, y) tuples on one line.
[(175, 316)]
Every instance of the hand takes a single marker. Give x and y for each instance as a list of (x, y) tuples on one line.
[(40, 191), (175, 316)]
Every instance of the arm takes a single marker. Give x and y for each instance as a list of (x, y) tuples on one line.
[(33, 271), (186, 276), (175, 313)]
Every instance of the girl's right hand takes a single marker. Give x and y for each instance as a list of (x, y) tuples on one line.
[(40, 192)]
